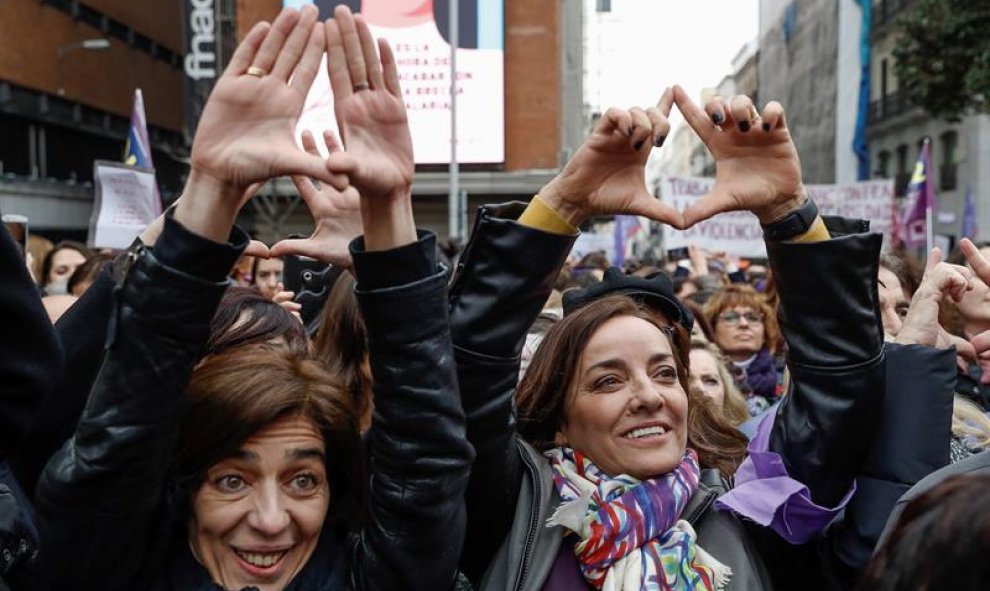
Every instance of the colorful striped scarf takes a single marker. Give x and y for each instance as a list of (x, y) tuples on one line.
[(631, 534)]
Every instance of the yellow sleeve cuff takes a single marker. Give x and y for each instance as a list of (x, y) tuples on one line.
[(541, 216), (816, 233)]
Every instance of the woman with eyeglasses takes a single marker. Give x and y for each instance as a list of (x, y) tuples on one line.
[(746, 331)]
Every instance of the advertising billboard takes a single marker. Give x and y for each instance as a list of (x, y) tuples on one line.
[(418, 35)]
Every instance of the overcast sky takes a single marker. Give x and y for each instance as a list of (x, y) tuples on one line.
[(663, 42)]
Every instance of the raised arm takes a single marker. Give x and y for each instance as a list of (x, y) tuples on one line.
[(101, 496), (420, 458), (822, 430)]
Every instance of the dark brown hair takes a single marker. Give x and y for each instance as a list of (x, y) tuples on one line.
[(542, 396), (941, 541), (245, 317), (233, 395), (739, 295), (46, 265), (341, 343), (85, 274)]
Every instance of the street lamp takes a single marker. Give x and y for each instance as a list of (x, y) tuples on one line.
[(97, 44)]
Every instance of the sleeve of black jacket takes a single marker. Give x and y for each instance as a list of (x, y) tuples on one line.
[(30, 356), (82, 332), (830, 317), (503, 280), (420, 458), (100, 495), (911, 442)]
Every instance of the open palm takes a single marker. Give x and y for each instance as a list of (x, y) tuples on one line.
[(245, 134), (370, 110)]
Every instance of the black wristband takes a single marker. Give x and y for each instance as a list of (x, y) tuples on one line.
[(793, 224)]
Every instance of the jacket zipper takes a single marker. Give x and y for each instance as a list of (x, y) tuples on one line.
[(710, 497), (533, 521)]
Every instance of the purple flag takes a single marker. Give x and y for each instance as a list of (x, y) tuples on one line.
[(920, 198), (969, 227), (626, 226)]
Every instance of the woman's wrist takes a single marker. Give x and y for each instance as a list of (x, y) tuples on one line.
[(208, 206), (553, 196), (388, 223)]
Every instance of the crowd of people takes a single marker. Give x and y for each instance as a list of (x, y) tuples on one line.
[(501, 418)]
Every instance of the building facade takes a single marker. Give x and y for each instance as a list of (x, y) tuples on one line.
[(959, 150), (68, 70)]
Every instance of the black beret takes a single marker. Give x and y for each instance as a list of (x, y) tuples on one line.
[(656, 292)]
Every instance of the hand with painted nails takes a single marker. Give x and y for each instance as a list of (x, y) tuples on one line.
[(371, 117), (606, 174), (336, 214), (757, 166), (245, 133)]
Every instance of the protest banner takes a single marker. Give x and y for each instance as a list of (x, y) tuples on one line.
[(124, 205), (739, 232)]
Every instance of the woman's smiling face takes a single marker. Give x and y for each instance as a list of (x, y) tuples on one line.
[(257, 517), (627, 409)]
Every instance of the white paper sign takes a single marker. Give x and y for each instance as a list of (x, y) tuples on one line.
[(739, 232), (125, 204)]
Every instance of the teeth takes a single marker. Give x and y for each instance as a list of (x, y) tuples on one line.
[(260, 560), (645, 432)]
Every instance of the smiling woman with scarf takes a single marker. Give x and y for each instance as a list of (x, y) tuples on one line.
[(607, 473)]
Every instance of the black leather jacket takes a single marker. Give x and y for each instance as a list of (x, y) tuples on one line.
[(101, 496), (829, 316)]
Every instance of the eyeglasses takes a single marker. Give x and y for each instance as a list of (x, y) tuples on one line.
[(732, 318)]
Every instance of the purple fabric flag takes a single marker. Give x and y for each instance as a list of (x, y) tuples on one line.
[(137, 150), (626, 226), (764, 493), (969, 226), (920, 197)]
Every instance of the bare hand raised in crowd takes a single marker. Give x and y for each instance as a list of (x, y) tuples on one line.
[(757, 166), (245, 133), (921, 324), (981, 268), (337, 214), (606, 175), (370, 110), (371, 116)]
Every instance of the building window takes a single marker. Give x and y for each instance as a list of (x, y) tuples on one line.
[(603, 6), (883, 165), (947, 171)]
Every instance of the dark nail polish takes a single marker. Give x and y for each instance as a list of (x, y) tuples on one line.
[(660, 141), (717, 118), (639, 145), (744, 126), (766, 127)]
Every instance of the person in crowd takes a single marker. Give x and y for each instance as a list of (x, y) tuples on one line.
[(702, 330), (745, 329), (31, 358), (59, 265), (251, 503), (85, 274), (896, 283), (513, 488), (245, 317), (966, 319), (341, 344), (940, 540), (57, 305), (710, 373), (266, 275)]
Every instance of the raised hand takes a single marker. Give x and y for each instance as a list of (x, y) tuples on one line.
[(371, 116), (757, 166), (606, 174), (337, 214), (245, 133), (371, 113), (921, 324)]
